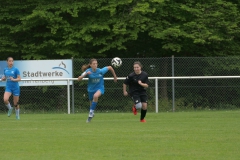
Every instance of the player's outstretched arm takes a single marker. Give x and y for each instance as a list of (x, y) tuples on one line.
[(110, 68), (83, 75)]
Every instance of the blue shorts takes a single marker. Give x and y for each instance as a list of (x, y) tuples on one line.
[(14, 90), (90, 94)]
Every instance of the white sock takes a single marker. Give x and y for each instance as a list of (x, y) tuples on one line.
[(91, 111), (8, 106), (17, 112)]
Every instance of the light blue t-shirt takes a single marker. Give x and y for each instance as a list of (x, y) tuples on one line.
[(11, 72), (95, 79)]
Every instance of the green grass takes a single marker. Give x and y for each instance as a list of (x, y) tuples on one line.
[(120, 136)]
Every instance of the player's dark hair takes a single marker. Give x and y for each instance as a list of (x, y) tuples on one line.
[(86, 66), (139, 63), (9, 58)]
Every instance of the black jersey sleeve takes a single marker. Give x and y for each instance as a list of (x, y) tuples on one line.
[(145, 78), (128, 79)]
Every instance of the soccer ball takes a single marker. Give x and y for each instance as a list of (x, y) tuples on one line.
[(116, 62)]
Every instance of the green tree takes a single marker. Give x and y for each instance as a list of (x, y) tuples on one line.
[(32, 29)]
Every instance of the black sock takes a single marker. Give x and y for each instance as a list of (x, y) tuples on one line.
[(143, 114)]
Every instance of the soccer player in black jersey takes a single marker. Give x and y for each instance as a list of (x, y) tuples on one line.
[(137, 82)]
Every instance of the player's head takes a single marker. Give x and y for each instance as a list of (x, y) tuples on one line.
[(10, 61), (92, 63), (137, 67)]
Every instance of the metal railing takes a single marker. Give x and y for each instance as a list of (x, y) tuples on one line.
[(156, 87)]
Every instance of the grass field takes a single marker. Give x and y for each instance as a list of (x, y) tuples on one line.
[(212, 135)]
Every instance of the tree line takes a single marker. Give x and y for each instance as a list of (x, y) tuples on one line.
[(33, 29)]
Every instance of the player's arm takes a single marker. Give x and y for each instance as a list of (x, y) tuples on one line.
[(125, 84), (3, 78), (145, 85), (125, 93), (16, 79), (144, 82), (110, 68), (84, 74)]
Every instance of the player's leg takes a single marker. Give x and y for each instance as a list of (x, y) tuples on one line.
[(134, 109), (95, 100), (90, 97), (93, 103), (144, 108), (137, 104), (17, 107), (16, 94), (6, 96)]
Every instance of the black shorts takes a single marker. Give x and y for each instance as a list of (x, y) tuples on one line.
[(139, 98)]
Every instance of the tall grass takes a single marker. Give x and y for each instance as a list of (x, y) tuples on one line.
[(120, 136)]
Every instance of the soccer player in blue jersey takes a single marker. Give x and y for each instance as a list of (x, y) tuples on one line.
[(11, 76), (95, 83)]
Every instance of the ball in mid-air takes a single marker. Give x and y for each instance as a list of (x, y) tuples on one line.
[(116, 62)]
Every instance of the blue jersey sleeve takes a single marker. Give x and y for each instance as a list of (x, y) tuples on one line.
[(4, 72), (17, 72), (104, 70)]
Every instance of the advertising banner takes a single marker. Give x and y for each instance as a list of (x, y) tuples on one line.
[(38, 70)]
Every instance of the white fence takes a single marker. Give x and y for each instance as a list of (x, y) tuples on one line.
[(122, 78)]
